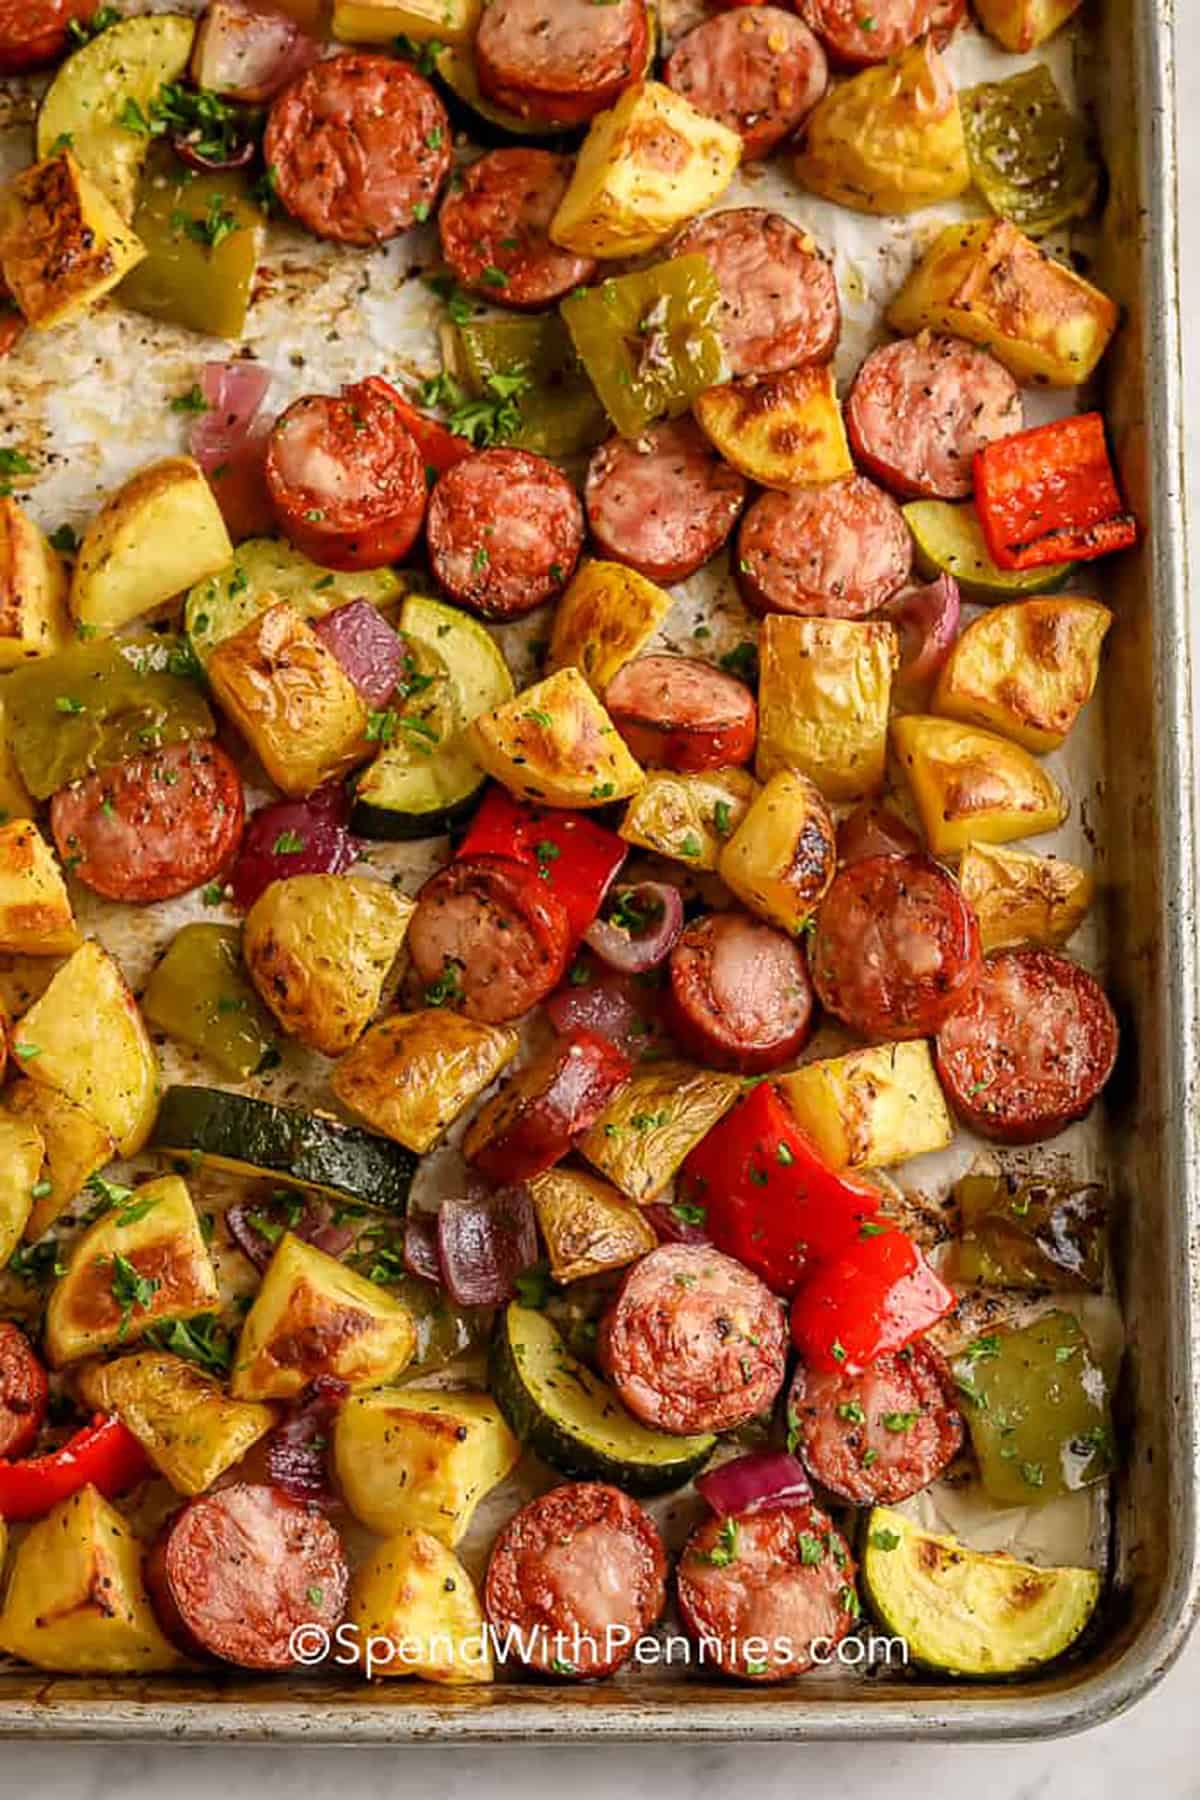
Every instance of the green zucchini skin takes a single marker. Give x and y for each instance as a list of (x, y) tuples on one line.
[(300, 1149), (386, 825), (602, 1442)]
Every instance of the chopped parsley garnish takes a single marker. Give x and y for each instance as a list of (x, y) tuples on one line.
[(191, 402), (487, 418), (131, 1291), (288, 843), (725, 1550), (202, 1340)]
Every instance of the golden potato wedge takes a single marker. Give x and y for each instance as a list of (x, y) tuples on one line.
[(35, 908), (555, 743), (420, 1457), (63, 245), (1026, 670), (33, 590), (823, 701), (85, 1038), (991, 284), (318, 949), (586, 1225), (971, 785), (412, 1074), (182, 1417), (606, 617), (783, 431), (646, 166), (647, 1129), (142, 1262), (76, 1146), (783, 856), (888, 140), (1024, 24), (871, 1108), (1021, 899), (16, 802), (22, 1152), (382, 21), (313, 1317), (688, 818), (154, 537), (76, 1600), (415, 1612)]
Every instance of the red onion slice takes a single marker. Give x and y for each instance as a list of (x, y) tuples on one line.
[(421, 1247), (294, 837), (926, 618), (641, 929), (871, 830), (247, 51), (297, 1450), (233, 393), (674, 1226), (484, 1244), (239, 157), (366, 646), (757, 1482), (257, 1226)]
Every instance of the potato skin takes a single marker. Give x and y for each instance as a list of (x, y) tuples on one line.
[(33, 590), (823, 701), (588, 1227), (606, 617), (414, 1592), (872, 1107), (22, 1150), (412, 1074), (158, 534), (76, 1146), (1024, 24), (62, 243), (1021, 899), (970, 785), (35, 908), (556, 743), (783, 856), (417, 1458), (783, 431), (1025, 670), (184, 1420), (689, 818), (682, 1103)]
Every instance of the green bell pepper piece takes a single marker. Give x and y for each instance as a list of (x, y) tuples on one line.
[(1030, 1234), (200, 994), (202, 235), (1028, 152), (529, 388)]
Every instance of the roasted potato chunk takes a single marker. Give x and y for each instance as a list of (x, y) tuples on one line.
[(412, 1074), (823, 701), (889, 140), (142, 1262), (63, 245), (646, 1130), (319, 947), (1022, 899), (783, 431), (291, 699), (184, 1420), (587, 1226), (412, 1457), (646, 166), (990, 283), (416, 1613), (85, 1038), (22, 1152), (313, 1317), (689, 818), (33, 590), (971, 785), (16, 802), (871, 1108), (783, 856), (1026, 670), (1024, 24), (606, 617), (154, 537), (35, 908), (555, 743), (381, 21), (76, 1601), (76, 1146)]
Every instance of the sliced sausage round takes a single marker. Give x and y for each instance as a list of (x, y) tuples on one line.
[(768, 1593), (1029, 1048), (536, 1117), (233, 1573), (346, 478), (577, 1576), (676, 712), (856, 33), (664, 502), (945, 17), (740, 997), (24, 1391), (873, 830), (895, 947), (560, 63), (359, 147), (36, 32), (693, 1341), (488, 937), (779, 298), (834, 552), (495, 229), (758, 70), (505, 531), (919, 409), (153, 827), (879, 1436)]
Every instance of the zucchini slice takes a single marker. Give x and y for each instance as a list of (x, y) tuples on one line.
[(948, 540), (300, 1149), (970, 1612), (572, 1420), (420, 784)]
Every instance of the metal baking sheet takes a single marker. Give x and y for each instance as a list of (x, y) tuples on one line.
[(323, 315)]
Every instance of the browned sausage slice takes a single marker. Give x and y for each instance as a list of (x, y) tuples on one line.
[(676, 712), (779, 298), (24, 1391), (505, 530), (235, 1572), (767, 1593), (758, 70), (663, 502), (693, 1341), (495, 229), (856, 33), (534, 1119), (487, 937), (919, 409), (560, 62), (879, 1436), (575, 1578), (834, 552), (740, 997)]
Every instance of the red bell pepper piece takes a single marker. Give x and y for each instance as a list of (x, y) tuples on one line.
[(1049, 495), (575, 857), (104, 1455), (440, 449), (766, 1195), (869, 1302)]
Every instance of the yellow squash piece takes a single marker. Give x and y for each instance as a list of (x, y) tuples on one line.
[(313, 1317), (889, 140), (783, 856), (1023, 899), (586, 1225), (381, 21), (184, 1420), (415, 1612), (607, 616), (76, 1600), (871, 1108), (63, 245), (413, 1074), (688, 818), (646, 167), (420, 1457), (86, 1039), (154, 537), (783, 431), (991, 284), (33, 590), (1025, 670), (22, 1151), (969, 785), (35, 908), (76, 1146), (645, 1132), (1024, 24), (823, 701), (556, 744)]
